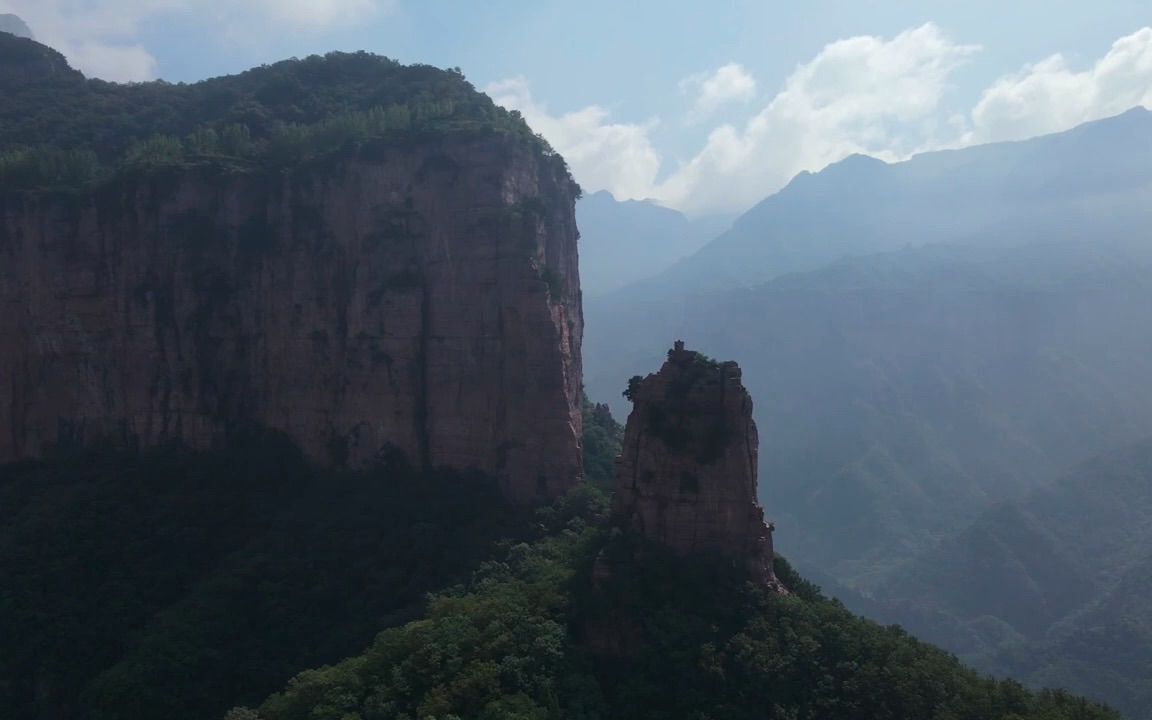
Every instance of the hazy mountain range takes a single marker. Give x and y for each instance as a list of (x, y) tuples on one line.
[(1092, 181), (13, 24), (1054, 588), (625, 241), (951, 360)]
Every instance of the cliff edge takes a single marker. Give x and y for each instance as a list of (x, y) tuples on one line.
[(686, 475), (423, 298)]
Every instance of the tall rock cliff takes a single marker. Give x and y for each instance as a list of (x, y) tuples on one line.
[(686, 475), (424, 299)]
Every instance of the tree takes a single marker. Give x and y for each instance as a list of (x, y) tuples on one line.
[(633, 387)]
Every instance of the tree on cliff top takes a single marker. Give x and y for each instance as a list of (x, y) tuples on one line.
[(600, 444), (61, 109)]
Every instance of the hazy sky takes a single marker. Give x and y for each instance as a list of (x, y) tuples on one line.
[(704, 106)]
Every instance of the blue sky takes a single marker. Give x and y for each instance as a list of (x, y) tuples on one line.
[(706, 106)]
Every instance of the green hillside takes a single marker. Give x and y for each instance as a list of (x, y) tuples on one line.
[(175, 584), (1053, 589), (515, 642)]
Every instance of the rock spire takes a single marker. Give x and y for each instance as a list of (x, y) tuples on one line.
[(686, 476)]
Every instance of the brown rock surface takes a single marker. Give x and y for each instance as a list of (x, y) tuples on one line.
[(425, 298), (686, 476)]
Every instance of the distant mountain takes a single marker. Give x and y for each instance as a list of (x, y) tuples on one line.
[(1092, 181), (1049, 187), (928, 344), (13, 24), (900, 394), (1034, 562), (1055, 588), (625, 241), (963, 326)]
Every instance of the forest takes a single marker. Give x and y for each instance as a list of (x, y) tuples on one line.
[(60, 130), (161, 585), (244, 583), (513, 642)]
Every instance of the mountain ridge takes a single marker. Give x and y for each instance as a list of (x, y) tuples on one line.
[(840, 185), (14, 25), (625, 241), (1050, 587)]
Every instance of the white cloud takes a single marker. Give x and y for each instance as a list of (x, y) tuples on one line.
[(101, 37), (863, 94), (123, 63), (605, 155), (730, 83), (1048, 96)]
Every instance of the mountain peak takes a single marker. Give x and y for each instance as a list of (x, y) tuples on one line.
[(13, 24)]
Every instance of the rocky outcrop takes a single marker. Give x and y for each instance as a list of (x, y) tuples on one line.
[(686, 475), (425, 300)]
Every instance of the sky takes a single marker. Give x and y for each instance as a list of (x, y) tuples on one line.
[(707, 107)]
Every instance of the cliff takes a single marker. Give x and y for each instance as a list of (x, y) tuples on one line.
[(686, 475), (423, 298)]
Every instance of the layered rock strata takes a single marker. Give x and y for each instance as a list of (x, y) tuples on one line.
[(425, 300), (686, 476)]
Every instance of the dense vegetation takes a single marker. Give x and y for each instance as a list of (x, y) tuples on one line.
[(517, 642), (1052, 589), (175, 584), (600, 444), (59, 129)]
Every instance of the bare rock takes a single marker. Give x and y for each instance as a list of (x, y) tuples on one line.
[(423, 300), (686, 476)]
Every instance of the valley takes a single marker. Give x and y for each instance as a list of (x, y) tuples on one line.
[(327, 391)]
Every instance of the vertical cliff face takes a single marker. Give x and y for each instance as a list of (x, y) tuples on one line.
[(686, 476), (425, 299)]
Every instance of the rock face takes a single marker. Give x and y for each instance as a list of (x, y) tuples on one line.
[(13, 24), (686, 476), (425, 299)]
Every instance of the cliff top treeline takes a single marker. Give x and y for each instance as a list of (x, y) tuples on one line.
[(59, 128)]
